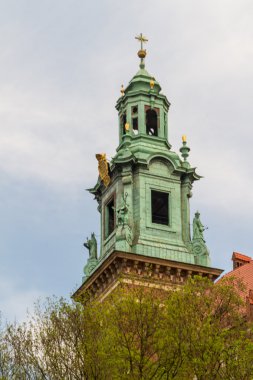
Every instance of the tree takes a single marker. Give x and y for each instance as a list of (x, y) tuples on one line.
[(62, 341), (134, 320), (5, 356), (198, 331), (206, 322)]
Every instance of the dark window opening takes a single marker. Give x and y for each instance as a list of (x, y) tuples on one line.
[(135, 125), (151, 122), (123, 123), (134, 110), (110, 218), (160, 207), (135, 120)]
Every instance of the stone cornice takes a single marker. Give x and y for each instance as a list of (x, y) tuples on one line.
[(139, 269)]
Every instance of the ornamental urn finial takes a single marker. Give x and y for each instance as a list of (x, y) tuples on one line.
[(185, 149), (127, 127), (152, 83)]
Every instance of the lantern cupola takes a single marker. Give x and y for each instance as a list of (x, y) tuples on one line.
[(142, 106)]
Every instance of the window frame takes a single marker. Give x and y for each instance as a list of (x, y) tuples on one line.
[(106, 233), (148, 212), (168, 207)]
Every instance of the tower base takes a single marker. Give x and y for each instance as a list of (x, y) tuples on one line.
[(139, 270)]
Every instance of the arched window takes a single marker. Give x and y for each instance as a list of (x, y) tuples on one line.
[(109, 218), (135, 120), (123, 123), (151, 123)]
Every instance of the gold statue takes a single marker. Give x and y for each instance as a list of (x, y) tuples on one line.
[(103, 168)]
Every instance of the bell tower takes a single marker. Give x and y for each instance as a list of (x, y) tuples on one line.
[(143, 196)]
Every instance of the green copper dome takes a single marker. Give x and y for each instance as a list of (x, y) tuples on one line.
[(142, 81)]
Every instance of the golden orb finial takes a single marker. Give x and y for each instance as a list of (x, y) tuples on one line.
[(184, 138), (142, 52)]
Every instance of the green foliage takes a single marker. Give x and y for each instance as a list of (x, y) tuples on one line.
[(197, 331)]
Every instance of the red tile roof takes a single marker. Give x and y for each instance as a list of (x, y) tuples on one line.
[(244, 273), (240, 256)]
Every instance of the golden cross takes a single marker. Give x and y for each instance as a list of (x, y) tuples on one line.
[(142, 39)]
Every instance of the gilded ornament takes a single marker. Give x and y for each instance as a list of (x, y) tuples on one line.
[(142, 40), (152, 84), (142, 53), (103, 168)]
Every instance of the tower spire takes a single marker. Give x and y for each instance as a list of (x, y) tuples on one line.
[(142, 52)]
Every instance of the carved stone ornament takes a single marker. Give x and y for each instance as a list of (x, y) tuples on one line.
[(122, 211), (129, 235)]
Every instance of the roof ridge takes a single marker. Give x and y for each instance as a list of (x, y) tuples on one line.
[(242, 255), (236, 269)]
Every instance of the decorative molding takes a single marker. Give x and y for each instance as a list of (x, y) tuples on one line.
[(141, 270)]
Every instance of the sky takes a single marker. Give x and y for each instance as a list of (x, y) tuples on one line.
[(62, 63)]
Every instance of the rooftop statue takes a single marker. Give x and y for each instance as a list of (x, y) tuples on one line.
[(198, 228), (199, 247), (91, 245)]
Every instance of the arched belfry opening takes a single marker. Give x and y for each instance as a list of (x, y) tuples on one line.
[(151, 122), (123, 123), (135, 120)]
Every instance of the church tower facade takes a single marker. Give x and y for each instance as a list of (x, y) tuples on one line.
[(143, 196)]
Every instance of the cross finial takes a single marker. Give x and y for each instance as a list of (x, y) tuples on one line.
[(142, 53), (142, 39)]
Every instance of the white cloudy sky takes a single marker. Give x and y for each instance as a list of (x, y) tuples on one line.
[(61, 66)]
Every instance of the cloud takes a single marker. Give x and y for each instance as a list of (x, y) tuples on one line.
[(41, 142)]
